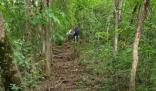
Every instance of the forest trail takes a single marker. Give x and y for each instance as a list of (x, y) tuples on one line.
[(66, 69), (67, 73)]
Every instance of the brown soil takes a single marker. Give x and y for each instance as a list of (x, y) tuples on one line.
[(67, 73)]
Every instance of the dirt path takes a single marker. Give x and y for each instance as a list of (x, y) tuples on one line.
[(66, 69), (67, 73)]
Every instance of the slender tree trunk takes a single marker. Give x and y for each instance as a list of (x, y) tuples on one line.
[(121, 2), (10, 72), (47, 41), (136, 44), (47, 50), (117, 12), (108, 27), (117, 9)]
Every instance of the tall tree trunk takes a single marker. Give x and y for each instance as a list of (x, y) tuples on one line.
[(47, 41), (10, 72), (136, 44), (117, 10), (47, 49)]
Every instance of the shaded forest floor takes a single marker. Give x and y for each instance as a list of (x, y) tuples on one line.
[(68, 74)]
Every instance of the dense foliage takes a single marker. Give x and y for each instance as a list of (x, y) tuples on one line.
[(23, 23)]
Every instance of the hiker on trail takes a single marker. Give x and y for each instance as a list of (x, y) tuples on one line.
[(74, 33)]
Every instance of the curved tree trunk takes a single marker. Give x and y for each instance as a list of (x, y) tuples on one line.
[(136, 44), (10, 72)]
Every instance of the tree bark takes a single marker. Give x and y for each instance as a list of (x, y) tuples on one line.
[(136, 44), (10, 72)]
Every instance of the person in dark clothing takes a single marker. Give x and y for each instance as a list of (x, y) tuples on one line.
[(74, 33)]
